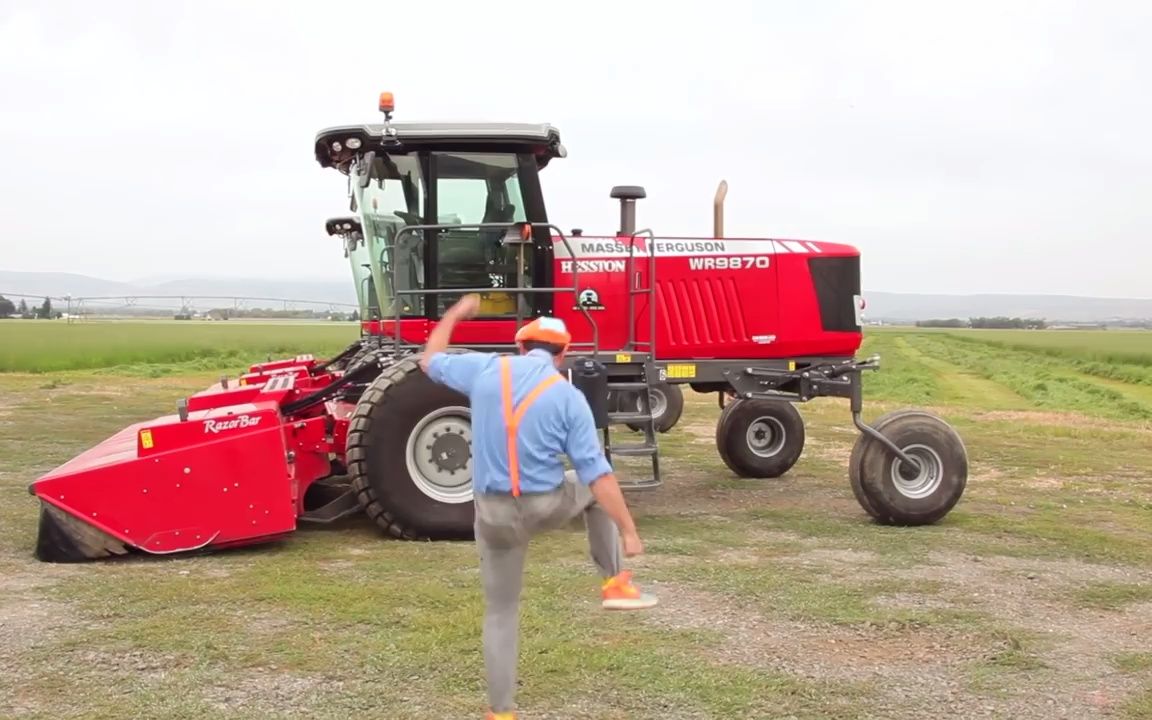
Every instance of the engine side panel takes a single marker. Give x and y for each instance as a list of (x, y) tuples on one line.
[(716, 298)]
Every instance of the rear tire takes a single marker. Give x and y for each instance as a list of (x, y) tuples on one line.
[(895, 495), (410, 456), (760, 438)]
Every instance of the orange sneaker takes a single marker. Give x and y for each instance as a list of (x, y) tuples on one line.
[(500, 716), (618, 593)]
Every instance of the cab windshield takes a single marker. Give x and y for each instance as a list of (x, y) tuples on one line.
[(389, 195), (470, 188)]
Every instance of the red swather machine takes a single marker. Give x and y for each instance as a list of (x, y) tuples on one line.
[(447, 209)]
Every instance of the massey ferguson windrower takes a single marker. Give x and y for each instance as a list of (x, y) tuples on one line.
[(440, 210)]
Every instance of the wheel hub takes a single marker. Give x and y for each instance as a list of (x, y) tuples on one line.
[(439, 455), (656, 401), (766, 436), (921, 481), (449, 450)]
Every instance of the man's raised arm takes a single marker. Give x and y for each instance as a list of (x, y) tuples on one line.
[(457, 371), (441, 335)]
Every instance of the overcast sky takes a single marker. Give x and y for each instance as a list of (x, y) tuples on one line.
[(963, 146)]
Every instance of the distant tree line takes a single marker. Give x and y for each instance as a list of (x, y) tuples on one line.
[(226, 313), (9, 309), (993, 323)]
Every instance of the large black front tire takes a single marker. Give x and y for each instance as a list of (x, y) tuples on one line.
[(896, 495), (409, 455), (760, 438)]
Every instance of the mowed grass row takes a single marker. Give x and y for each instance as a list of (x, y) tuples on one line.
[(1107, 346), (47, 346), (968, 368)]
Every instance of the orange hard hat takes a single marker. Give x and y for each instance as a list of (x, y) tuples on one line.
[(545, 329)]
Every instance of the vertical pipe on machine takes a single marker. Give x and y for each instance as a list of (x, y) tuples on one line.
[(718, 210)]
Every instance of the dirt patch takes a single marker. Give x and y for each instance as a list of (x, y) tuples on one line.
[(702, 433), (1062, 419), (265, 623), (1037, 653), (838, 452), (29, 620), (910, 670), (1074, 644), (270, 688)]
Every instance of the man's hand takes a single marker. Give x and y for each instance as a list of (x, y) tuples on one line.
[(632, 545), (441, 335)]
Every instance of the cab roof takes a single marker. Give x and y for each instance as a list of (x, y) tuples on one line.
[(541, 139)]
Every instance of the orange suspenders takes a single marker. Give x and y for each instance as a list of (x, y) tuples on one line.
[(512, 416)]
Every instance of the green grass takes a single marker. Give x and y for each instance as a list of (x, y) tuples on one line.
[(779, 597), (1133, 662), (45, 346), (1113, 596), (963, 368), (1110, 346)]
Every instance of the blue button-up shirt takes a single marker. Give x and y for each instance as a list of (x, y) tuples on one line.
[(559, 422)]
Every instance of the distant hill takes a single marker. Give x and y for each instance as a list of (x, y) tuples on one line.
[(897, 307), (882, 306), (61, 284)]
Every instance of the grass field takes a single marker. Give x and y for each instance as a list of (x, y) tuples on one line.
[(1033, 599), (50, 345)]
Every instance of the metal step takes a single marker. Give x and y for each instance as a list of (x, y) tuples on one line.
[(649, 484), (629, 385), (634, 450), (625, 417)]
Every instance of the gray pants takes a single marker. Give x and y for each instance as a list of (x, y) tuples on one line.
[(504, 525)]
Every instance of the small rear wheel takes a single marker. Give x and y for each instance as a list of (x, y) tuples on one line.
[(760, 438), (895, 493), (666, 400)]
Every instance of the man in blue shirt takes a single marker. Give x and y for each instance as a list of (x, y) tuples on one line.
[(524, 416)]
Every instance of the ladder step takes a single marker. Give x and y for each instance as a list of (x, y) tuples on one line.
[(627, 385), (629, 417), (649, 484), (633, 450)]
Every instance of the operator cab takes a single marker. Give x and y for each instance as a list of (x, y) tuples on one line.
[(404, 177)]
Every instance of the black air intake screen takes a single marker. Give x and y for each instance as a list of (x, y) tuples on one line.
[(837, 282)]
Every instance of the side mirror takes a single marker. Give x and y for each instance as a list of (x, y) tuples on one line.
[(367, 164)]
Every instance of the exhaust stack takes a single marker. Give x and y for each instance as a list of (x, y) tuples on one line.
[(718, 210), (628, 195)]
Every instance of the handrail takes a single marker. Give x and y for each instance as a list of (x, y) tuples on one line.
[(631, 342)]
